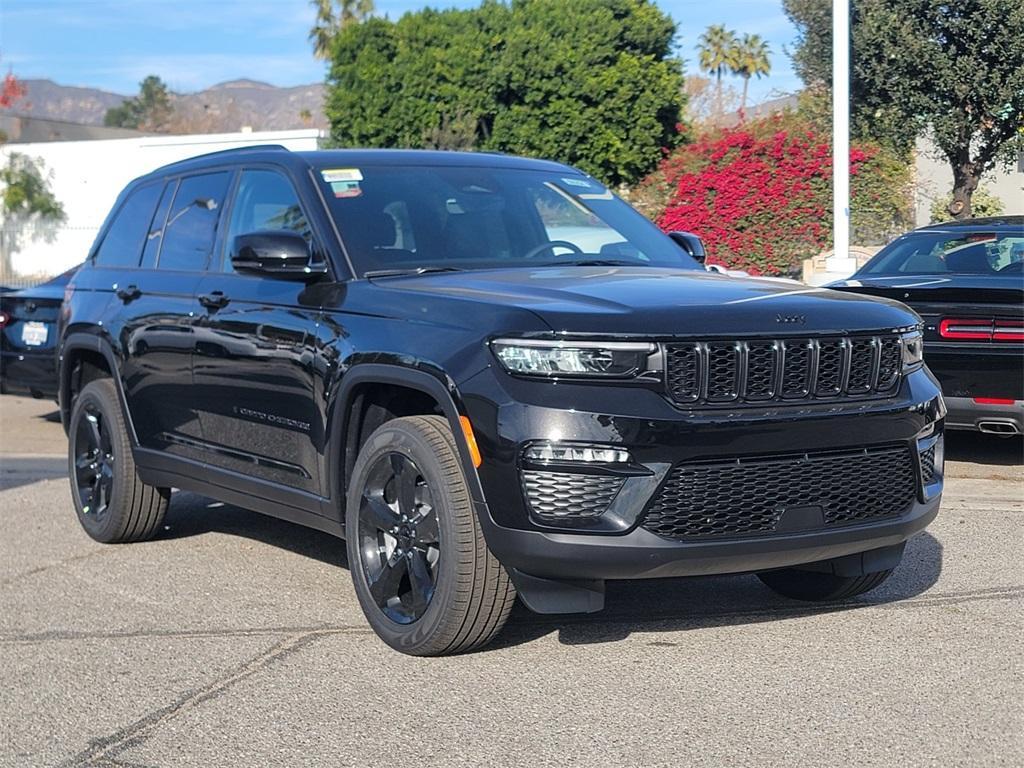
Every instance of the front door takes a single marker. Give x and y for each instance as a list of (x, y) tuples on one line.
[(255, 352)]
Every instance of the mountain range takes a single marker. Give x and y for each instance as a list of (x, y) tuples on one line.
[(223, 107)]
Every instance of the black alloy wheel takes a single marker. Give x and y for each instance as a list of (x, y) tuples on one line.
[(93, 454), (399, 540), (111, 501), (422, 572)]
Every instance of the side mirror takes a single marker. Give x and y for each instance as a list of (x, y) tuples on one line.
[(690, 243), (278, 253)]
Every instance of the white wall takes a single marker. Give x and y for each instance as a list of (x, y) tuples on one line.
[(934, 179), (87, 176)]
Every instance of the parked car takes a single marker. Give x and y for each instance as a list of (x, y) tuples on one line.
[(966, 280), (28, 338), (429, 355)]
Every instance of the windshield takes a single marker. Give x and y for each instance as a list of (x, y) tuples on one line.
[(449, 217), (958, 253)]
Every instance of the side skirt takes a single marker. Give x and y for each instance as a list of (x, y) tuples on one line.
[(158, 469)]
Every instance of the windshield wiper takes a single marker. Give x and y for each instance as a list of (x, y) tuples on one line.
[(596, 263), (407, 272)]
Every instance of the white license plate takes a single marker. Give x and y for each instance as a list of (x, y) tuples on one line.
[(34, 334)]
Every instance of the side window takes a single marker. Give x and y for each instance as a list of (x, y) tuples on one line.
[(265, 200), (156, 229), (122, 244), (192, 222)]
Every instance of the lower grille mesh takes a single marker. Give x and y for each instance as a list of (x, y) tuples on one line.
[(564, 497), (928, 466), (750, 496)]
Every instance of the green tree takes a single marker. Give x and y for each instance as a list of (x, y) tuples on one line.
[(27, 204), (151, 110), (983, 203), (587, 82), (330, 21), (752, 59), (952, 70), (718, 55)]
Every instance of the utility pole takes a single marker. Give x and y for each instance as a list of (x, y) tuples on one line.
[(841, 262)]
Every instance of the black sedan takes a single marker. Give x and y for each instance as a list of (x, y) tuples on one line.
[(28, 331), (966, 280)]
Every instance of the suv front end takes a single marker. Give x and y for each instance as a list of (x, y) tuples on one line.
[(659, 457)]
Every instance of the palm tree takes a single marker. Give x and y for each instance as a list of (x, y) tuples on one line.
[(328, 24), (718, 48), (752, 59)]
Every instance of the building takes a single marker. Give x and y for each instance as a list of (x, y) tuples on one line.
[(86, 177)]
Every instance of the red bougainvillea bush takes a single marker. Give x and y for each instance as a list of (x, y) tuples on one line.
[(760, 195)]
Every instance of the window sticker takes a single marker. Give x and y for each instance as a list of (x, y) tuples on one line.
[(331, 175), (577, 182), (346, 188)]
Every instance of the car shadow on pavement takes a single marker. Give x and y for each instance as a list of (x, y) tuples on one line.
[(978, 448), (193, 515), (650, 606), (675, 605)]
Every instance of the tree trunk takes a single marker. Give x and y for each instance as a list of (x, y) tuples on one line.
[(966, 177), (743, 101)]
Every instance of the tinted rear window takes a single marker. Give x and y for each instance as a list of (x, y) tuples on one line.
[(191, 227), (122, 244), (959, 253)]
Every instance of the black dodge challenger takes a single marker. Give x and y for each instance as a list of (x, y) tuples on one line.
[(966, 280)]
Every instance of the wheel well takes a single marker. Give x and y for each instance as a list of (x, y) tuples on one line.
[(371, 405), (83, 366)]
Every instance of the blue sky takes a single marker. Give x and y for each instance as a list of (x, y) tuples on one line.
[(192, 44)]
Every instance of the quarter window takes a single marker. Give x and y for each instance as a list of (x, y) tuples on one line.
[(191, 225), (122, 244)]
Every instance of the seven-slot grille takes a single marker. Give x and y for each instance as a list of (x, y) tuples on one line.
[(760, 371), (750, 496)]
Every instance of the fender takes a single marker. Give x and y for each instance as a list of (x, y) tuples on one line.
[(91, 343), (437, 385)]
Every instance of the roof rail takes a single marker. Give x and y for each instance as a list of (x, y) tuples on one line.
[(231, 151)]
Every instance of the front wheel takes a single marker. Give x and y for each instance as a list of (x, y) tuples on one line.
[(421, 569), (813, 586)]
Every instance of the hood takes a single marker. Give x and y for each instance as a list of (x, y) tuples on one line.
[(945, 289), (657, 302)]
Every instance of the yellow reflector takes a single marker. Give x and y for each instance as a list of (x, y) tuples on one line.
[(474, 449)]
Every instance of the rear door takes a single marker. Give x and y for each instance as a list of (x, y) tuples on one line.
[(156, 304), (256, 388)]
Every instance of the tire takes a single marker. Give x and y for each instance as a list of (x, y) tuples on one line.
[(813, 586), (436, 588), (113, 505)]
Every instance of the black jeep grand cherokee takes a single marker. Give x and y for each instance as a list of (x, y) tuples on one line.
[(490, 376)]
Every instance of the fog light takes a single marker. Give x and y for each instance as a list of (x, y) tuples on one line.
[(582, 454)]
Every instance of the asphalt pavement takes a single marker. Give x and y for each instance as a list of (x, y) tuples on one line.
[(236, 640)]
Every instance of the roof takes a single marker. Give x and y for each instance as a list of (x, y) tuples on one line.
[(988, 222), (360, 158)]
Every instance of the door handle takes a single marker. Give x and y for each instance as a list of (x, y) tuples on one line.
[(128, 293), (214, 300)]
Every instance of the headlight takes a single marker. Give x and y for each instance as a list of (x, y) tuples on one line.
[(913, 350), (580, 359)]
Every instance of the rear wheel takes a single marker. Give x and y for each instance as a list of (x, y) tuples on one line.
[(421, 569), (112, 503), (813, 586)]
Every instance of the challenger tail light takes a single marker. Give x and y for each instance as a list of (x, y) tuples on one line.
[(973, 329)]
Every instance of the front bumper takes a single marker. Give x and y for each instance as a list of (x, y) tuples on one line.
[(507, 414), (640, 554)]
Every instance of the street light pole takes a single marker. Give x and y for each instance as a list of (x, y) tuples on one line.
[(840, 261)]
